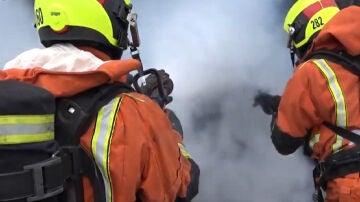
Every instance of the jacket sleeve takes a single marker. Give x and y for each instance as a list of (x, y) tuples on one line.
[(284, 143), (297, 112), (179, 172), (148, 160), (193, 187)]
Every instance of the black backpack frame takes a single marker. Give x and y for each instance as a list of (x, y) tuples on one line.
[(59, 178)]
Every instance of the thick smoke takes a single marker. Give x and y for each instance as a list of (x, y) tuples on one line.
[(219, 53)]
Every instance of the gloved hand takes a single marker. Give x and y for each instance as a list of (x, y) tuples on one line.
[(152, 85), (269, 103)]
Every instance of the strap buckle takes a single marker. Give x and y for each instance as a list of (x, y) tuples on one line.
[(37, 170), (73, 153)]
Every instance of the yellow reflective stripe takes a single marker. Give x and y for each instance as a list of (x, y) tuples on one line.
[(101, 141), (26, 138), (127, 2), (315, 139), (26, 119), (96, 132), (338, 143), (339, 100), (183, 151), (18, 129)]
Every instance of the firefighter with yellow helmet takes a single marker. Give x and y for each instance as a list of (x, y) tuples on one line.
[(137, 154), (322, 97)]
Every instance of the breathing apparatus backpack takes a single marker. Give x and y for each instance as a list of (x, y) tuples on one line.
[(41, 158)]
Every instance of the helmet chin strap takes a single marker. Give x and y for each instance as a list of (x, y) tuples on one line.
[(290, 45), (292, 56)]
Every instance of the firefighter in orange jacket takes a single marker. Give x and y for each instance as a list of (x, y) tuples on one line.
[(320, 91), (140, 156)]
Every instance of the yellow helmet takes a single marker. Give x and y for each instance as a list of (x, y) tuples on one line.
[(305, 19), (101, 24)]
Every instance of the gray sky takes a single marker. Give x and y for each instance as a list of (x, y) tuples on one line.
[(219, 53)]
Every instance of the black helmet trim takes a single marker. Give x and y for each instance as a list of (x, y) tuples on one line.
[(118, 11), (299, 26), (84, 37)]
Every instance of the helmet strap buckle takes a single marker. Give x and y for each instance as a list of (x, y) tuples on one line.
[(135, 38), (121, 11), (291, 45)]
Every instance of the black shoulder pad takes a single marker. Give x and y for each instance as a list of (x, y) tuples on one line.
[(75, 114), (351, 63)]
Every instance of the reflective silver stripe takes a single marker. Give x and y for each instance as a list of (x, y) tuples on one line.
[(357, 131), (340, 106), (17, 129), (315, 139), (101, 141)]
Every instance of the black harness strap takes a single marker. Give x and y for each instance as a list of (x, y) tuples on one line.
[(40, 180), (351, 63), (347, 134), (338, 165), (343, 162), (75, 114)]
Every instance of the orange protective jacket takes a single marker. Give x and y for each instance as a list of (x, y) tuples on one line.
[(321, 90), (139, 154)]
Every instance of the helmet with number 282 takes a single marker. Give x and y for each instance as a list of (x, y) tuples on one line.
[(304, 21), (101, 24)]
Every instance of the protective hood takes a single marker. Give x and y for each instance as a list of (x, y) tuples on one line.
[(65, 70), (340, 33), (65, 84)]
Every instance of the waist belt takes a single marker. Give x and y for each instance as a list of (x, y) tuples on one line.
[(40, 180), (337, 165)]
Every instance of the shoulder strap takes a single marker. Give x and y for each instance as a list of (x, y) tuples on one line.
[(74, 114), (351, 63)]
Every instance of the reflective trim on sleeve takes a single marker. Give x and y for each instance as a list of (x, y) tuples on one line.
[(183, 151), (339, 100), (101, 141), (315, 139), (26, 119), (18, 129)]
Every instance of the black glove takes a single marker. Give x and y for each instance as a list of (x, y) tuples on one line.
[(129, 79), (269, 103), (151, 88), (152, 85)]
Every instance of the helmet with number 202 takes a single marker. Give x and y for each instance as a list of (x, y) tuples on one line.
[(304, 21), (101, 24)]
